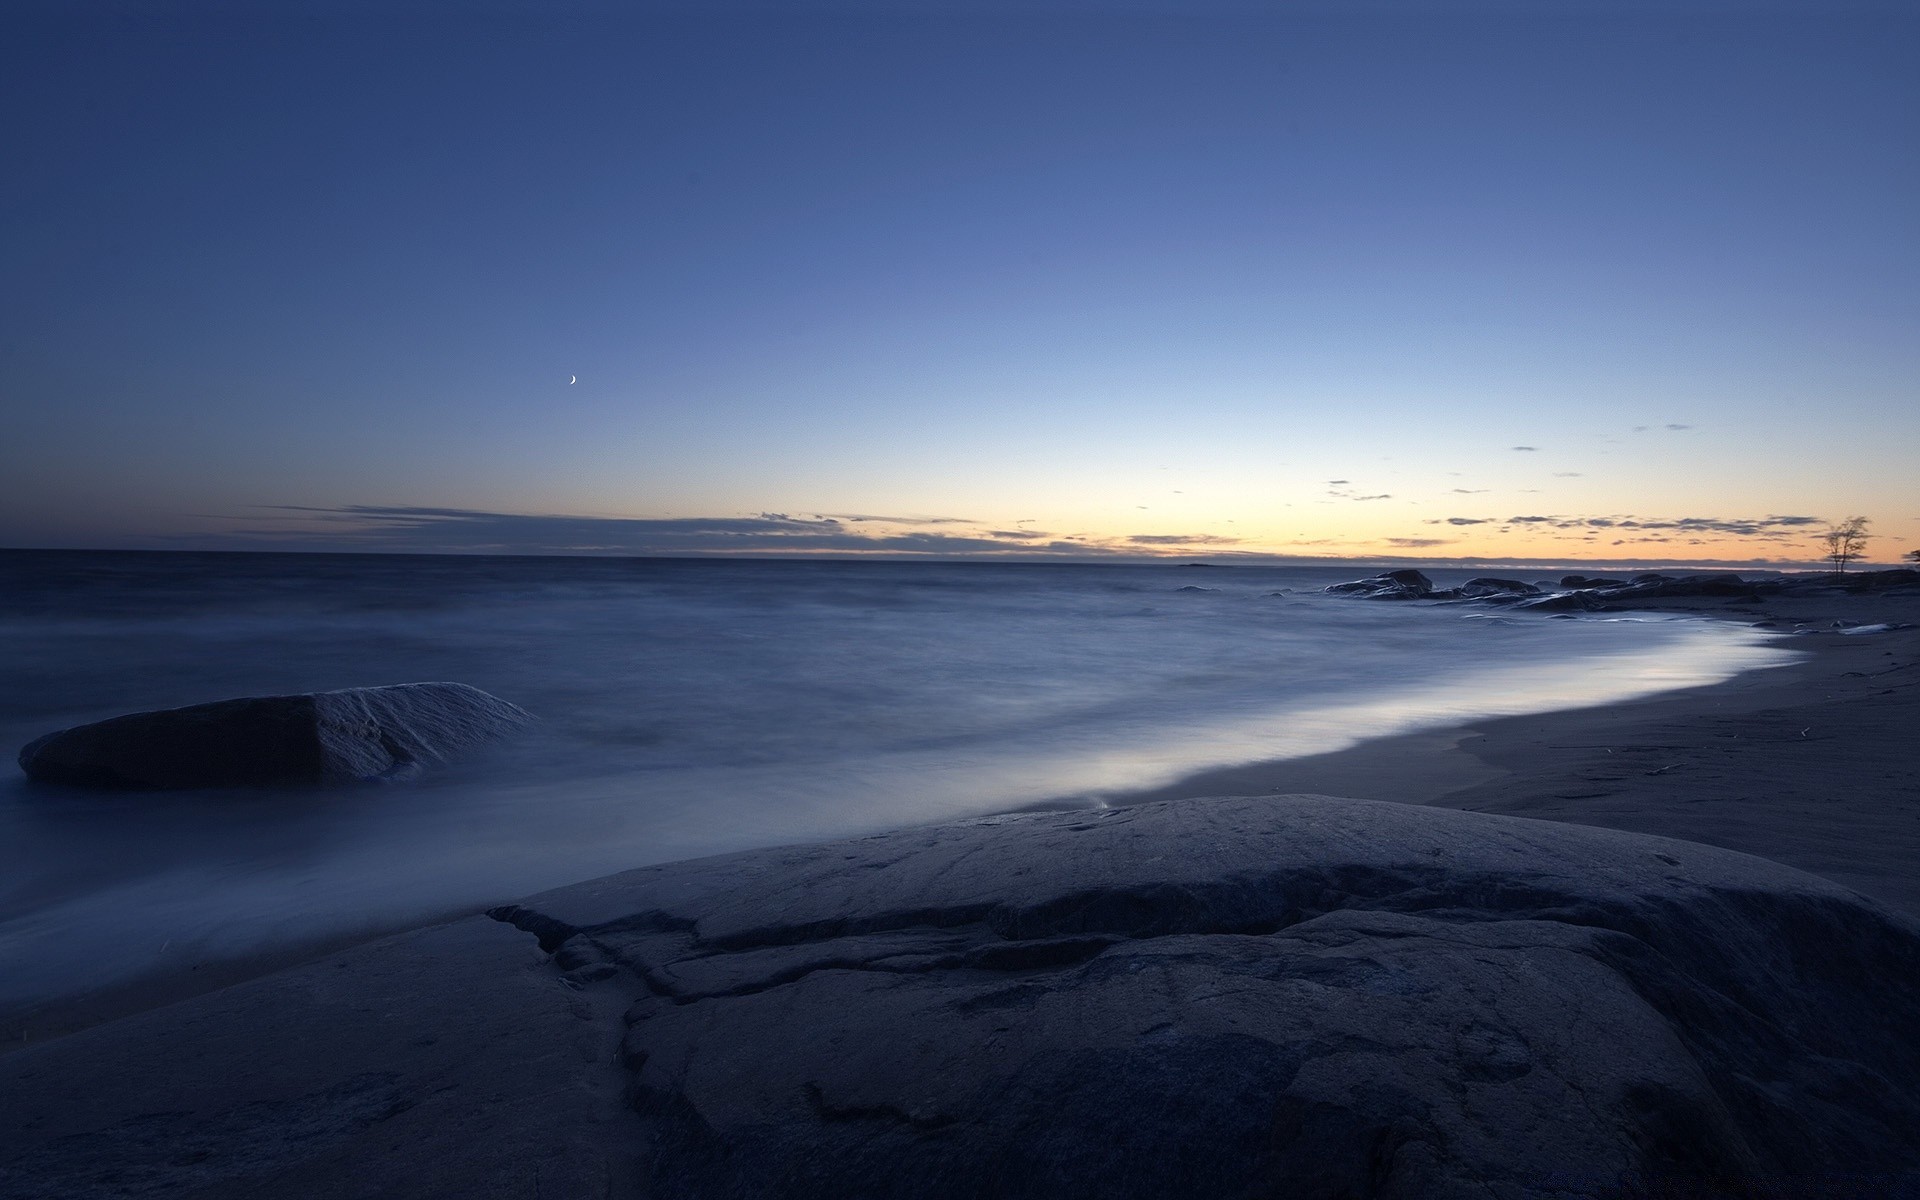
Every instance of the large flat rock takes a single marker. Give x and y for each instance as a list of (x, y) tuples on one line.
[(1294, 997), (1291, 996)]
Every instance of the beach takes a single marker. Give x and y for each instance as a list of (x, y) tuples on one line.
[(1808, 763), (463, 1058)]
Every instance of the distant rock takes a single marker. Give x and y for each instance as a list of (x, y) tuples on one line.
[(1899, 579), (317, 737), (1561, 602), (1583, 593), (1488, 587), (1262, 996), (1404, 584)]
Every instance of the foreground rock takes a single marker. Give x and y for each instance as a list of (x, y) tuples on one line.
[(319, 737), (1302, 996), (1292, 996)]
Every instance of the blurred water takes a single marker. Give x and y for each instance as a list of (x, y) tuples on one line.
[(693, 707)]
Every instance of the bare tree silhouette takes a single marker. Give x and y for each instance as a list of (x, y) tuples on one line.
[(1844, 542)]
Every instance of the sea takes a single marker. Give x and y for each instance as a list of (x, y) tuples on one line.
[(689, 707)]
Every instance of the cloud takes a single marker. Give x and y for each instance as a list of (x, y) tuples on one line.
[(1337, 488), (396, 528), (1566, 474), (1418, 543), (1528, 449), (1772, 528), (1463, 521), (1470, 491), (887, 520), (1679, 427)]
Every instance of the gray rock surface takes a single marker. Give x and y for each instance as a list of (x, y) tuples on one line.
[(318, 737), (1293, 997), (1263, 996)]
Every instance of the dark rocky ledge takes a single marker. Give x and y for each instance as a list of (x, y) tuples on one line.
[(1285, 996)]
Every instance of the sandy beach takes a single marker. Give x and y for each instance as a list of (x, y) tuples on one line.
[(1807, 765)]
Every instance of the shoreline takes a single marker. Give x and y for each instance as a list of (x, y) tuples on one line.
[(1856, 695), (1725, 764)]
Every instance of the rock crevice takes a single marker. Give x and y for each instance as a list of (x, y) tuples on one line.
[(1302, 996)]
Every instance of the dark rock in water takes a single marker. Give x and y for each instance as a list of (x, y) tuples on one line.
[(1294, 996), (1562, 602), (1662, 587), (1485, 587), (318, 737), (1404, 584), (1651, 586)]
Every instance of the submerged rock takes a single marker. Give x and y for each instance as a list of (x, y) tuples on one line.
[(316, 737), (1292, 996)]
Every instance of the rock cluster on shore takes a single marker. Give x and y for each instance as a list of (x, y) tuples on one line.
[(1578, 593), (318, 737)]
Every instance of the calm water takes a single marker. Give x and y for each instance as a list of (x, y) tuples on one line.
[(693, 707)]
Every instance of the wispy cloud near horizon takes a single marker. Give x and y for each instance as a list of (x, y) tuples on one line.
[(436, 530), (1628, 529)]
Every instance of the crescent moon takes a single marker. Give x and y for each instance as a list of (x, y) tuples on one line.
[(573, 379)]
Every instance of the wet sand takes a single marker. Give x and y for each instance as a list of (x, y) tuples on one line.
[(1813, 764)]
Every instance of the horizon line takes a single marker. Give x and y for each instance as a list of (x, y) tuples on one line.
[(1241, 558)]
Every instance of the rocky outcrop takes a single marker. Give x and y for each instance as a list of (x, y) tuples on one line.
[(1293, 996), (318, 737), (1404, 584), (1580, 593), (1487, 588)]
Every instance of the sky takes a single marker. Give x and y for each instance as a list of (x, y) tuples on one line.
[(1545, 281)]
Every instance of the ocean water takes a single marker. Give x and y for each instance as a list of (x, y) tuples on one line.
[(693, 707)]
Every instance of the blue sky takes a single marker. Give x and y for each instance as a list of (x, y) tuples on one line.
[(1283, 280)]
